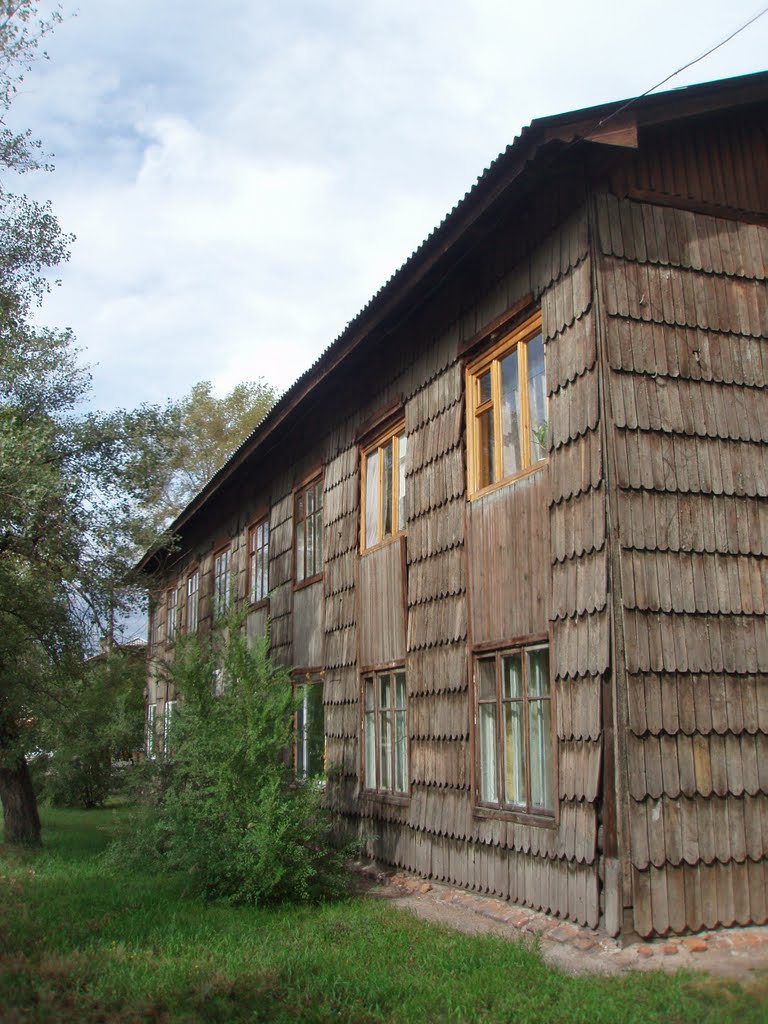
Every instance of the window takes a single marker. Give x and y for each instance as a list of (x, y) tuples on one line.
[(172, 614), (383, 483), (514, 721), (193, 593), (221, 581), (149, 731), (154, 624), (507, 409), (168, 715), (309, 735), (258, 561), (385, 732), (309, 531)]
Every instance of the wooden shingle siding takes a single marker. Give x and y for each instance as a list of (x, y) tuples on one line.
[(715, 163), (686, 302), (381, 627), (509, 543)]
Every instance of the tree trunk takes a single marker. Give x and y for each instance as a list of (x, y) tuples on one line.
[(20, 817)]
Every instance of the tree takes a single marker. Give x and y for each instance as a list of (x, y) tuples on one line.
[(195, 436), (72, 489)]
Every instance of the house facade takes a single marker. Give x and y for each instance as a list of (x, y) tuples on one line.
[(510, 530)]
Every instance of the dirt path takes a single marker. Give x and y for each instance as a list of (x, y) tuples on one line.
[(736, 953)]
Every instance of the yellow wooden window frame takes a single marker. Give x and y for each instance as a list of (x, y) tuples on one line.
[(395, 434), (490, 361)]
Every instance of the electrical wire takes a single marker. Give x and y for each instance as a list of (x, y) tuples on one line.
[(690, 64)]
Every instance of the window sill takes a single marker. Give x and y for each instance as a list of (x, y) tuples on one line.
[(508, 480), (384, 543), (308, 582), (540, 819), (254, 606), (383, 797)]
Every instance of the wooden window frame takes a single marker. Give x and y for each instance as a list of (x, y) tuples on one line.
[(173, 606), (374, 714), (155, 630), (257, 528), (528, 811), (395, 433), (222, 598), (315, 485), (303, 680), (490, 360), (192, 626)]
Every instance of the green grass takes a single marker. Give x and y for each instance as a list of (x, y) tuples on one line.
[(81, 942)]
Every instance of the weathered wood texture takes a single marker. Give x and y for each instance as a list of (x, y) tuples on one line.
[(686, 316), (308, 626), (718, 163), (382, 625), (280, 578)]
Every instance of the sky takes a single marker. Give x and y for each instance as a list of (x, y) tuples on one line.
[(241, 177)]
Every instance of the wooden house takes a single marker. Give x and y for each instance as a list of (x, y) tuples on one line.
[(511, 529)]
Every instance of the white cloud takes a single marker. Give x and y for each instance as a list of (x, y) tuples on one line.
[(241, 182)]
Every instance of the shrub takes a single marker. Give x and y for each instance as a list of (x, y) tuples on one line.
[(231, 817)]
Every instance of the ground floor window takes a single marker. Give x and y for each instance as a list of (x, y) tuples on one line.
[(168, 716), (149, 731), (309, 732), (385, 731), (514, 727)]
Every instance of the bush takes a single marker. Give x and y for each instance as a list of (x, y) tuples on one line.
[(230, 816)]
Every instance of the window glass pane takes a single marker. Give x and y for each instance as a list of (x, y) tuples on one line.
[(486, 449), (370, 750), (484, 387), (316, 564), (387, 488), (401, 753), (510, 414), (310, 731), (513, 677), (385, 750), (310, 501), (300, 553), (537, 399), (385, 691), (310, 542), (540, 736), (402, 449), (315, 729), (486, 679), (372, 499), (538, 673), (400, 689), (488, 780), (370, 702), (514, 753)]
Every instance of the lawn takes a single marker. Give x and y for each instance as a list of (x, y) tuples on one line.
[(82, 942)]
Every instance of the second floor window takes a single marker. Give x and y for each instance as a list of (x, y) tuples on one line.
[(383, 483), (221, 581), (258, 561), (172, 614), (507, 431), (309, 530), (193, 593)]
